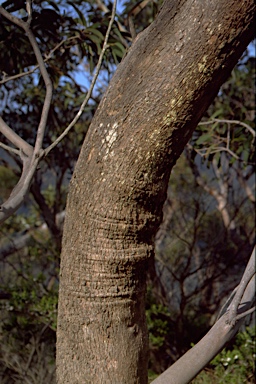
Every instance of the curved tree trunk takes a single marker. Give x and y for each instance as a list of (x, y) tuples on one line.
[(157, 96)]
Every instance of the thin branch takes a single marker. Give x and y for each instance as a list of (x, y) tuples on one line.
[(15, 139), (247, 277), (10, 149), (30, 161), (212, 343), (250, 129), (248, 188), (206, 152), (105, 9), (48, 84), (48, 96), (246, 313), (13, 19), (228, 137), (224, 149), (48, 56), (227, 303), (81, 109), (29, 11)]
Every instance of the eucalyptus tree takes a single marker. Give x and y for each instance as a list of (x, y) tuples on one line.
[(160, 91)]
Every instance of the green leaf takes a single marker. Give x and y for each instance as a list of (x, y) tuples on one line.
[(82, 19), (203, 138), (217, 113), (119, 48), (93, 29), (95, 40)]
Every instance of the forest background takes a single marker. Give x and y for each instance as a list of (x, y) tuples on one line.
[(207, 234)]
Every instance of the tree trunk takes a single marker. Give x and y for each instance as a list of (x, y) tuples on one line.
[(157, 96)]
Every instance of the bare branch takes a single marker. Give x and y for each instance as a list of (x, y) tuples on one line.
[(213, 342), (29, 11), (226, 305), (223, 149), (15, 139), (105, 9), (248, 188), (48, 84), (30, 160), (13, 19), (48, 96), (246, 313), (223, 144), (247, 277), (30, 163), (10, 149)]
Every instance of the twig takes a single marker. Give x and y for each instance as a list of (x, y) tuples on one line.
[(203, 152), (246, 313), (250, 129), (224, 149), (29, 11), (15, 139), (48, 56), (227, 303), (10, 149)]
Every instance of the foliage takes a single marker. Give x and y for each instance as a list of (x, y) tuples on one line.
[(79, 25), (8, 181), (151, 375), (29, 283), (157, 321)]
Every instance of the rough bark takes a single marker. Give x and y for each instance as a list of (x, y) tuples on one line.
[(158, 94)]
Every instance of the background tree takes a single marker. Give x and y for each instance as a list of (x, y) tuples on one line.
[(53, 200), (208, 227)]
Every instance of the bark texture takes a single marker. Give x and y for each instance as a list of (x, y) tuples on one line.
[(158, 94)]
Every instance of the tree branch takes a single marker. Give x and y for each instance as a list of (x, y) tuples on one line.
[(247, 277), (30, 160), (218, 147), (89, 93), (213, 342), (48, 56), (22, 240), (30, 163), (15, 139), (250, 129)]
